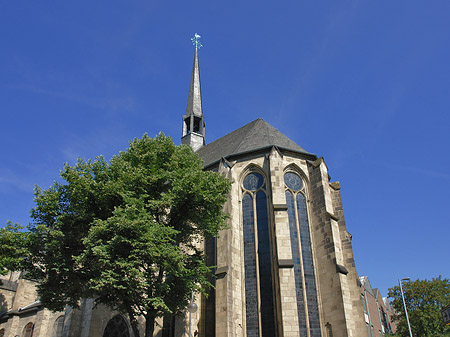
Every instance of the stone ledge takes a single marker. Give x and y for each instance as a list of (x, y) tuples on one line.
[(280, 207), (285, 263), (335, 185), (317, 162), (221, 272), (8, 285), (332, 216), (341, 269), (226, 162)]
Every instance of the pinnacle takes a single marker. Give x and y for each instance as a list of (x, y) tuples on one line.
[(194, 104)]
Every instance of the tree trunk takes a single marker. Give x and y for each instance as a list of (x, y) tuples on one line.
[(150, 323)]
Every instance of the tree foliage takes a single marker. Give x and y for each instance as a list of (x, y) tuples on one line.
[(424, 300), (13, 247), (126, 232)]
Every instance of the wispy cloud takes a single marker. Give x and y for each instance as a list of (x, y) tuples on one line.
[(413, 169), (84, 86), (106, 141), (11, 180), (108, 103)]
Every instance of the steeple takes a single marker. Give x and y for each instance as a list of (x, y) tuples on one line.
[(193, 120)]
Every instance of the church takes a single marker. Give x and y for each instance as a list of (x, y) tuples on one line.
[(283, 267)]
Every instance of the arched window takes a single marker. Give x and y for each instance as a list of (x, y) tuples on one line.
[(2, 332), (116, 327), (58, 326), (305, 283), (28, 330), (259, 302)]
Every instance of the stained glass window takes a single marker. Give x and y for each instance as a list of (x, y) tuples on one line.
[(251, 291), (308, 266), (116, 327), (265, 266), (293, 181), (295, 248), (302, 255), (257, 256), (253, 181)]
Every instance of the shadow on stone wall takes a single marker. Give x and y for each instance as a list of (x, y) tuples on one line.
[(3, 303)]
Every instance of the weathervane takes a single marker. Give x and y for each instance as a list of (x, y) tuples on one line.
[(196, 41)]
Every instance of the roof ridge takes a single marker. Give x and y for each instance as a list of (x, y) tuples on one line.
[(253, 136)]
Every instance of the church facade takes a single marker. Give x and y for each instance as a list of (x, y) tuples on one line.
[(283, 267)]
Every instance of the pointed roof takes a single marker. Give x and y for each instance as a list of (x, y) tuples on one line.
[(194, 103), (254, 136)]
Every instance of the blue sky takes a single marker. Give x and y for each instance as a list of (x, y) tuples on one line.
[(365, 84)]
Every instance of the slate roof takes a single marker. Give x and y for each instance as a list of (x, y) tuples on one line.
[(254, 136)]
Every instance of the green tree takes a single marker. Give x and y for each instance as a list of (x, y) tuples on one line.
[(13, 247), (424, 300), (126, 232)]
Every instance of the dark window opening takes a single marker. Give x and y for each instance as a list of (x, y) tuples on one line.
[(387, 328), (116, 327), (209, 303), (187, 123), (168, 329), (364, 303), (28, 330), (196, 127), (329, 330), (197, 122)]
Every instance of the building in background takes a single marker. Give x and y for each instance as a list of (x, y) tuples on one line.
[(378, 312), (21, 313)]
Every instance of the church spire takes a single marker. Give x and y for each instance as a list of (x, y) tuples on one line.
[(193, 120)]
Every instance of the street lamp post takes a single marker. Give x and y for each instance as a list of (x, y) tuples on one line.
[(404, 303), (192, 308)]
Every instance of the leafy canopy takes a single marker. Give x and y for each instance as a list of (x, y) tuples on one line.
[(127, 232), (424, 300), (13, 247)]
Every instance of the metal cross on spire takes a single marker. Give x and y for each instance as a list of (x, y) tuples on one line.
[(196, 41)]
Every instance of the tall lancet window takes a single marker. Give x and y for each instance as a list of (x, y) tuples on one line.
[(305, 284), (259, 304)]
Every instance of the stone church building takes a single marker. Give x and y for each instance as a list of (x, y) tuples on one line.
[(284, 266)]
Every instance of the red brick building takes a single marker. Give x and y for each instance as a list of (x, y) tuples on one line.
[(378, 312)]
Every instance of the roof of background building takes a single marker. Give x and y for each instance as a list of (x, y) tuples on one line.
[(251, 137)]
